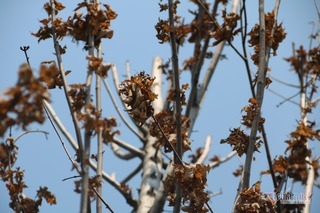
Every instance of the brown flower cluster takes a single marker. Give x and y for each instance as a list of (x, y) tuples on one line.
[(50, 75), (240, 141), (163, 29), (168, 124), (14, 178), (253, 200), (227, 30), (22, 104), (271, 41), (193, 180), (295, 163), (251, 112), (137, 95), (96, 65), (96, 22), (304, 62), (91, 118)]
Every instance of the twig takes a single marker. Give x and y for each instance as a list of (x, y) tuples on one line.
[(283, 82), (132, 174), (130, 148), (117, 186), (283, 97), (223, 160), (31, 131), (216, 193), (73, 163), (102, 200), (125, 156), (74, 145), (128, 70), (168, 142), (68, 178)]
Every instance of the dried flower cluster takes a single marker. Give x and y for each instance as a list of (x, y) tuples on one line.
[(137, 95), (193, 180), (91, 118), (295, 164), (251, 112), (168, 125), (240, 141), (14, 178), (23, 102), (272, 41), (305, 63), (96, 21), (50, 75), (253, 200), (227, 30)]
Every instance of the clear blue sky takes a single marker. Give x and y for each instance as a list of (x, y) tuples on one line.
[(134, 39)]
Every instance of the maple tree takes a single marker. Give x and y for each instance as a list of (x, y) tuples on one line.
[(164, 126)]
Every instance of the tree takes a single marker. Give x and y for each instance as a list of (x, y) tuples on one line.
[(158, 123)]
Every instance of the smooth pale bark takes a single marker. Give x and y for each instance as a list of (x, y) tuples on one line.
[(152, 161)]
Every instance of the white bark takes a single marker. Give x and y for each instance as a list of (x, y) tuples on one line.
[(152, 161)]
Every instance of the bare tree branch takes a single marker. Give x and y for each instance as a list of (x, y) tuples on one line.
[(65, 84), (205, 151), (126, 122), (117, 83), (135, 152), (132, 174), (223, 160), (259, 98), (201, 94)]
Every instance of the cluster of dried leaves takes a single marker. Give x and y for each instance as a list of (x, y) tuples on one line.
[(169, 126), (295, 164), (227, 30), (96, 21), (251, 112), (272, 40), (240, 141), (138, 96), (94, 182), (192, 180), (50, 74), (14, 178), (253, 200), (306, 63), (92, 119), (238, 138), (22, 104)]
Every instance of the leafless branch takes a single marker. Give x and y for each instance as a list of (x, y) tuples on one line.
[(223, 160), (31, 131), (117, 83), (259, 98), (63, 77), (132, 174), (205, 151), (126, 122), (137, 152), (283, 82), (74, 145)]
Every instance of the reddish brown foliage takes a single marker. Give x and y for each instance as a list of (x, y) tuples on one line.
[(138, 96), (253, 200), (271, 41), (193, 181), (23, 103)]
